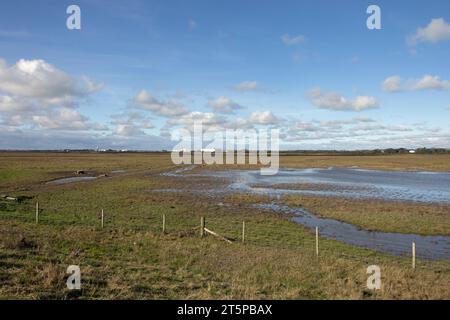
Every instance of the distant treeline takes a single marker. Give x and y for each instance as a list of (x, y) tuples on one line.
[(371, 152)]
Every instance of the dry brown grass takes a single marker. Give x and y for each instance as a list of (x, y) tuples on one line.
[(131, 259), (138, 265)]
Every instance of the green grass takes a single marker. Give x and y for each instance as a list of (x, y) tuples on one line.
[(131, 259)]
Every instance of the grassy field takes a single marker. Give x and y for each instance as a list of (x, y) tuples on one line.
[(410, 162), (131, 258)]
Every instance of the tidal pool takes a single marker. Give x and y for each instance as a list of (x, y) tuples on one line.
[(427, 247), (429, 187)]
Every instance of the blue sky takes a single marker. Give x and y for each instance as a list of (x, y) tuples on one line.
[(310, 68)]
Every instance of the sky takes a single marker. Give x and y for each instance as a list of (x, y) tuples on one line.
[(138, 70)]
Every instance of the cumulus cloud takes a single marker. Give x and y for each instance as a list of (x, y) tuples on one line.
[(218, 123), (224, 105), (146, 101), (23, 139), (128, 130), (359, 132), (39, 80), (131, 123), (436, 31), (292, 40), (392, 84), (431, 82), (10, 104), (206, 118), (264, 118), (65, 119), (427, 82), (92, 86), (36, 94), (335, 101)]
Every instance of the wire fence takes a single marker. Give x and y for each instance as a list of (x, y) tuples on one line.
[(408, 252)]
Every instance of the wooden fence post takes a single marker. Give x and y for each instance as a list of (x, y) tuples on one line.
[(202, 226), (413, 255), (164, 223), (317, 241), (37, 212), (243, 231), (103, 219)]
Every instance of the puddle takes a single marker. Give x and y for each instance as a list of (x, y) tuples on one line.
[(119, 171), (427, 247), (70, 180), (178, 172)]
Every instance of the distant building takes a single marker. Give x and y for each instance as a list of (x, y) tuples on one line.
[(412, 151)]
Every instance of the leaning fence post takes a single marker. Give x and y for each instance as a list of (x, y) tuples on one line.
[(164, 223), (37, 212), (413, 255), (317, 241), (202, 226), (243, 231), (103, 218)]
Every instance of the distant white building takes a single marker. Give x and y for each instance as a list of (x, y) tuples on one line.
[(412, 151)]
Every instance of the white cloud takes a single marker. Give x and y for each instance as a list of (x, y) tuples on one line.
[(64, 119), (247, 86), (335, 101), (10, 104), (128, 130), (362, 119), (92, 86), (360, 132), (36, 94), (41, 81), (206, 118), (329, 124), (35, 139), (292, 40), (264, 118), (131, 123), (427, 82), (436, 31), (392, 84), (431, 82), (146, 101), (379, 127), (224, 105)]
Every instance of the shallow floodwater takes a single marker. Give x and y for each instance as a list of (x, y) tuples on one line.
[(71, 180), (427, 247), (119, 171), (355, 183), (430, 187)]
